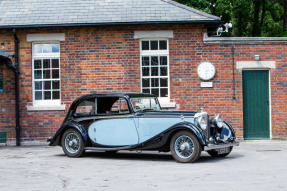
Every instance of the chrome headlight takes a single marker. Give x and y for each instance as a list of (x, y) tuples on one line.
[(202, 120), (218, 121)]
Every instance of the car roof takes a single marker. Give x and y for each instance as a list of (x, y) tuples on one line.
[(116, 94)]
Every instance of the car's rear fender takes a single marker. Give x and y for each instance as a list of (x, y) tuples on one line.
[(56, 140)]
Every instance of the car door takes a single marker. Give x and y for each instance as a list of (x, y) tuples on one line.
[(114, 125)]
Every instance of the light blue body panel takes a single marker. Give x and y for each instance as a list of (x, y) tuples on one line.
[(130, 131), (114, 132), (150, 127)]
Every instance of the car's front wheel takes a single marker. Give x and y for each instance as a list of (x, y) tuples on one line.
[(72, 143), (184, 147)]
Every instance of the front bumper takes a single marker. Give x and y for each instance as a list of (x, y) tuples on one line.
[(219, 146)]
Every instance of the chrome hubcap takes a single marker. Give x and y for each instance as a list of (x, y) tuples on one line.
[(184, 146), (72, 143)]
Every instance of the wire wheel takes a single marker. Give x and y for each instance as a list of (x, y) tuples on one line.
[(185, 147), (72, 143)]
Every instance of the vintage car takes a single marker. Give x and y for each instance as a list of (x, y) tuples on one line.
[(134, 121)]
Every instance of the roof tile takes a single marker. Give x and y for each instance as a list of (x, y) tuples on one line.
[(37, 12)]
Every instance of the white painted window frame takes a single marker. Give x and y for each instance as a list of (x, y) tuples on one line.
[(163, 100), (48, 103)]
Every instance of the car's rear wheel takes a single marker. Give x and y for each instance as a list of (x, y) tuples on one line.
[(184, 147), (72, 143), (215, 153)]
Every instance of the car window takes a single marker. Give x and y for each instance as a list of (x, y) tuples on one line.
[(102, 106), (112, 106), (120, 106), (86, 107), (145, 103)]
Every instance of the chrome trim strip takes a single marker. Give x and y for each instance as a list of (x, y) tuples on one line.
[(108, 149), (224, 145)]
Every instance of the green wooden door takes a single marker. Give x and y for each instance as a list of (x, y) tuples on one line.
[(256, 104)]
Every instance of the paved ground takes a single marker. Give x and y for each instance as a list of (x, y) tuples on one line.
[(256, 165)]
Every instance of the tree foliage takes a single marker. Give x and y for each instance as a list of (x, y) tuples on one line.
[(248, 17)]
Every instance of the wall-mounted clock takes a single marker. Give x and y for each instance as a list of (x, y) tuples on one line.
[(206, 70)]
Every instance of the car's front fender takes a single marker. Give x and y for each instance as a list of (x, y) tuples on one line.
[(190, 127), (163, 138), (56, 140)]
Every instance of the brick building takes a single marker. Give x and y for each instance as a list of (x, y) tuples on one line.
[(70, 48)]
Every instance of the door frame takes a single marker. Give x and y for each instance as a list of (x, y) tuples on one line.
[(270, 101)]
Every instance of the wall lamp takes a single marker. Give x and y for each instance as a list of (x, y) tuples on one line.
[(257, 57)]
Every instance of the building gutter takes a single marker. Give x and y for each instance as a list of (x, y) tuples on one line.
[(207, 39), (233, 72), (207, 22), (16, 70)]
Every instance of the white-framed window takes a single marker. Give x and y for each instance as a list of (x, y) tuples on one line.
[(46, 73), (154, 55)]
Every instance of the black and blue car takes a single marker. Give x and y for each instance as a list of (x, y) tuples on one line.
[(134, 121)]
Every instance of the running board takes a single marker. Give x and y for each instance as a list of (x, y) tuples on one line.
[(108, 149)]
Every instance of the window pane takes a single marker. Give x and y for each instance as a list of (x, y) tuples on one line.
[(56, 85), (154, 82), (145, 61), (38, 74), (47, 95), (37, 48), (154, 71), (145, 83), (154, 45), (47, 85), (38, 95), (145, 71), (46, 63), (56, 94), (163, 82), (55, 48), (145, 45), (55, 74), (162, 44), (163, 92), (37, 64), (46, 74), (146, 91), (55, 63), (47, 48), (154, 60), (155, 92), (163, 71), (163, 60), (38, 85)]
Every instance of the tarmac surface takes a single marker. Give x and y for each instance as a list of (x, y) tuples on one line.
[(254, 165)]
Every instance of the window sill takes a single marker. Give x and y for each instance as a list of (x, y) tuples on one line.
[(47, 108), (167, 105)]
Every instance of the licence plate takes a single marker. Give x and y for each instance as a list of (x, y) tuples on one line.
[(223, 150)]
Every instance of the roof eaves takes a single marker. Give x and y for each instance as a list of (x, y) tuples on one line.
[(192, 9), (108, 23)]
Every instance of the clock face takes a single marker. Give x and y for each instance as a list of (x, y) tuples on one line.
[(206, 71)]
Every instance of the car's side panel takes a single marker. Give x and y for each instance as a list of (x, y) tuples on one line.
[(150, 127), (114, 132)]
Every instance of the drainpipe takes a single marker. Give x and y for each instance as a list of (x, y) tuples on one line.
[(16, 40), (233, 81)]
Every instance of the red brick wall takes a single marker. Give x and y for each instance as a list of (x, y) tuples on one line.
[(107, 59)]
